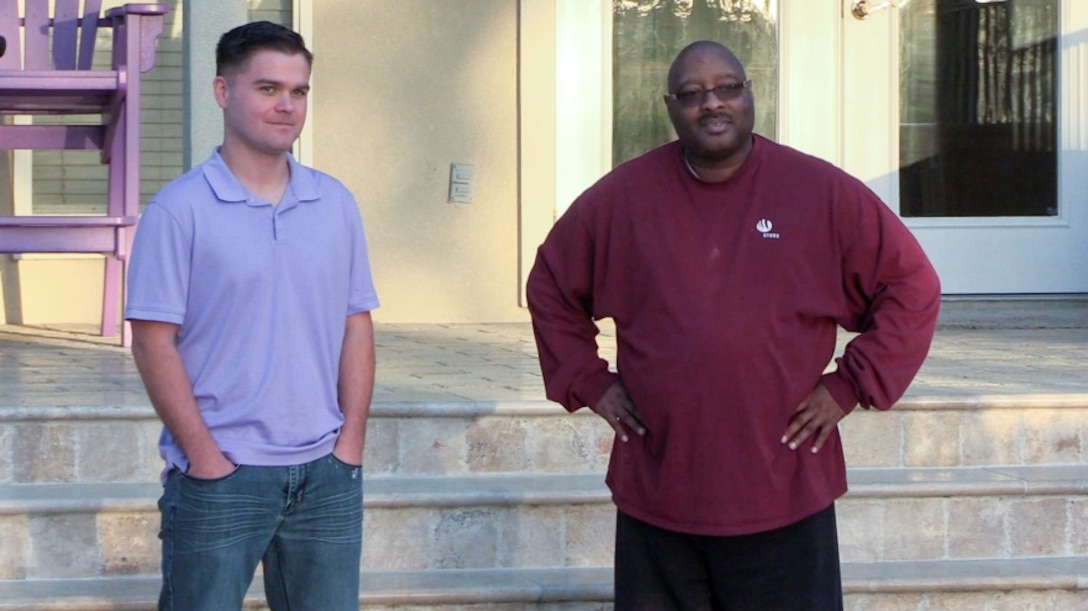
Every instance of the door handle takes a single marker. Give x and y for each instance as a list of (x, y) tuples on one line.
[(863, 8)]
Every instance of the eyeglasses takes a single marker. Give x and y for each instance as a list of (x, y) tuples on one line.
[(691, 98)]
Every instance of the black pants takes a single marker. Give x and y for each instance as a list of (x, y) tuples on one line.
[(794, 568)]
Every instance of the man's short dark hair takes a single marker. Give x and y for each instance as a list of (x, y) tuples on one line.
[(239, 44)]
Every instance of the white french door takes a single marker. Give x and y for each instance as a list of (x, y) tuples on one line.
[(967, 118)]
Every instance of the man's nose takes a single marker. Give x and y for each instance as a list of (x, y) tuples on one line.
[(711, 99), (285, 102)]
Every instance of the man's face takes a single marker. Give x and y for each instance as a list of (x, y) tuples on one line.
[(712, 128), (264, 102)]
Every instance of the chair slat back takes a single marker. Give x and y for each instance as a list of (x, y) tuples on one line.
[(9, 29), (91, 9), (73, 34), (36, 32), (65, 34)]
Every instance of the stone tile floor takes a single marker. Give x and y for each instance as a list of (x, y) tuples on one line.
[(981, 349)]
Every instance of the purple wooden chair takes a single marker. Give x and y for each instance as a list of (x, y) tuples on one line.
[(37, 80)]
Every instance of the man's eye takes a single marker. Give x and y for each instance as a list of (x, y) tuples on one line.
[(689, 94), (730, 89)]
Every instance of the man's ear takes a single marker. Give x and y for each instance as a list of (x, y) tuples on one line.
[(220, 87)]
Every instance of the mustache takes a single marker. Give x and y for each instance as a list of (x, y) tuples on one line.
[(715, 116)]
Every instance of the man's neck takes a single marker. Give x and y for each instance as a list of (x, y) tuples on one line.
[(265, 176), (708, 170)]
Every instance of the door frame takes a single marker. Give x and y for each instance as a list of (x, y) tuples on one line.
[(975, 255)]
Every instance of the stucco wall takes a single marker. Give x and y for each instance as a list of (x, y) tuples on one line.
[(402, 90)]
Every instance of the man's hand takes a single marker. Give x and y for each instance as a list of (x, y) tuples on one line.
[(819, 414), (214, 467), (618, 410), (349, 450)]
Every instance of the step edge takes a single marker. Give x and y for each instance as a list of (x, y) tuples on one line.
[(470, 408), (556, 488), (549, 584)]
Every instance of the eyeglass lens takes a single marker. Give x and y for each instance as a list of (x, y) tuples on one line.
[(724, 93)]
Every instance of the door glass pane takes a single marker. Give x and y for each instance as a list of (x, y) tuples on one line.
[(978, 108), (647, 35)]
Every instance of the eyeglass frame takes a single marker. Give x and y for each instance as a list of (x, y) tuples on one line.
[(725, 92)]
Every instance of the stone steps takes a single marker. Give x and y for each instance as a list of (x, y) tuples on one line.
[(1038, 583), (119, 443), (954, 503), (508, 521)]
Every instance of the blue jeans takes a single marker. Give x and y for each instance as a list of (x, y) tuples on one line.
[(304, 523)]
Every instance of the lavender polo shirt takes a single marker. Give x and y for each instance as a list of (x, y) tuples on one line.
[(260, 294)]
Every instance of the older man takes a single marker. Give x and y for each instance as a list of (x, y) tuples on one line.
[(727, 263)]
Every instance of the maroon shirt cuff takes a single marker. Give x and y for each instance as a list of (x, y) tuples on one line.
[(840, 390), (590, 392)]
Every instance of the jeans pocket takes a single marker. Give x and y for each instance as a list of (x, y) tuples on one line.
[(223, 478), (343, 464)]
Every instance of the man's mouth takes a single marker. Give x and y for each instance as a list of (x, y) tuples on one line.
[(716, 123)]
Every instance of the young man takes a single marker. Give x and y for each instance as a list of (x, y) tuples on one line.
[(250, 296), (727, 263)]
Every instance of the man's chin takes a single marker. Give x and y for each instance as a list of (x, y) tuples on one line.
[(715, 149), (713, 154)]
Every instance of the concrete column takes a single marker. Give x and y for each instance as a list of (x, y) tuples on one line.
[(203, 22)]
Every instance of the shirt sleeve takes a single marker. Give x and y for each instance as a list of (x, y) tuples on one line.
[(158, 274), (560, 296), (362, 296), (892, 298)]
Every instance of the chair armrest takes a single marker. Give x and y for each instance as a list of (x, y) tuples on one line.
[(142, 24), (143, 8)]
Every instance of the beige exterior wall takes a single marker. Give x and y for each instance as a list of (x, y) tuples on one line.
[(401, 91)]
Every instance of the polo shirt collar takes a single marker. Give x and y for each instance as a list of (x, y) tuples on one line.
[(227, 188)]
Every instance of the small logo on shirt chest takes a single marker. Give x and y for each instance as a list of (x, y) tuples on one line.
[(764, 227)]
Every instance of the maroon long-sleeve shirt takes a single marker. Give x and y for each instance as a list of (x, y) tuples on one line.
[(726, 298)]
